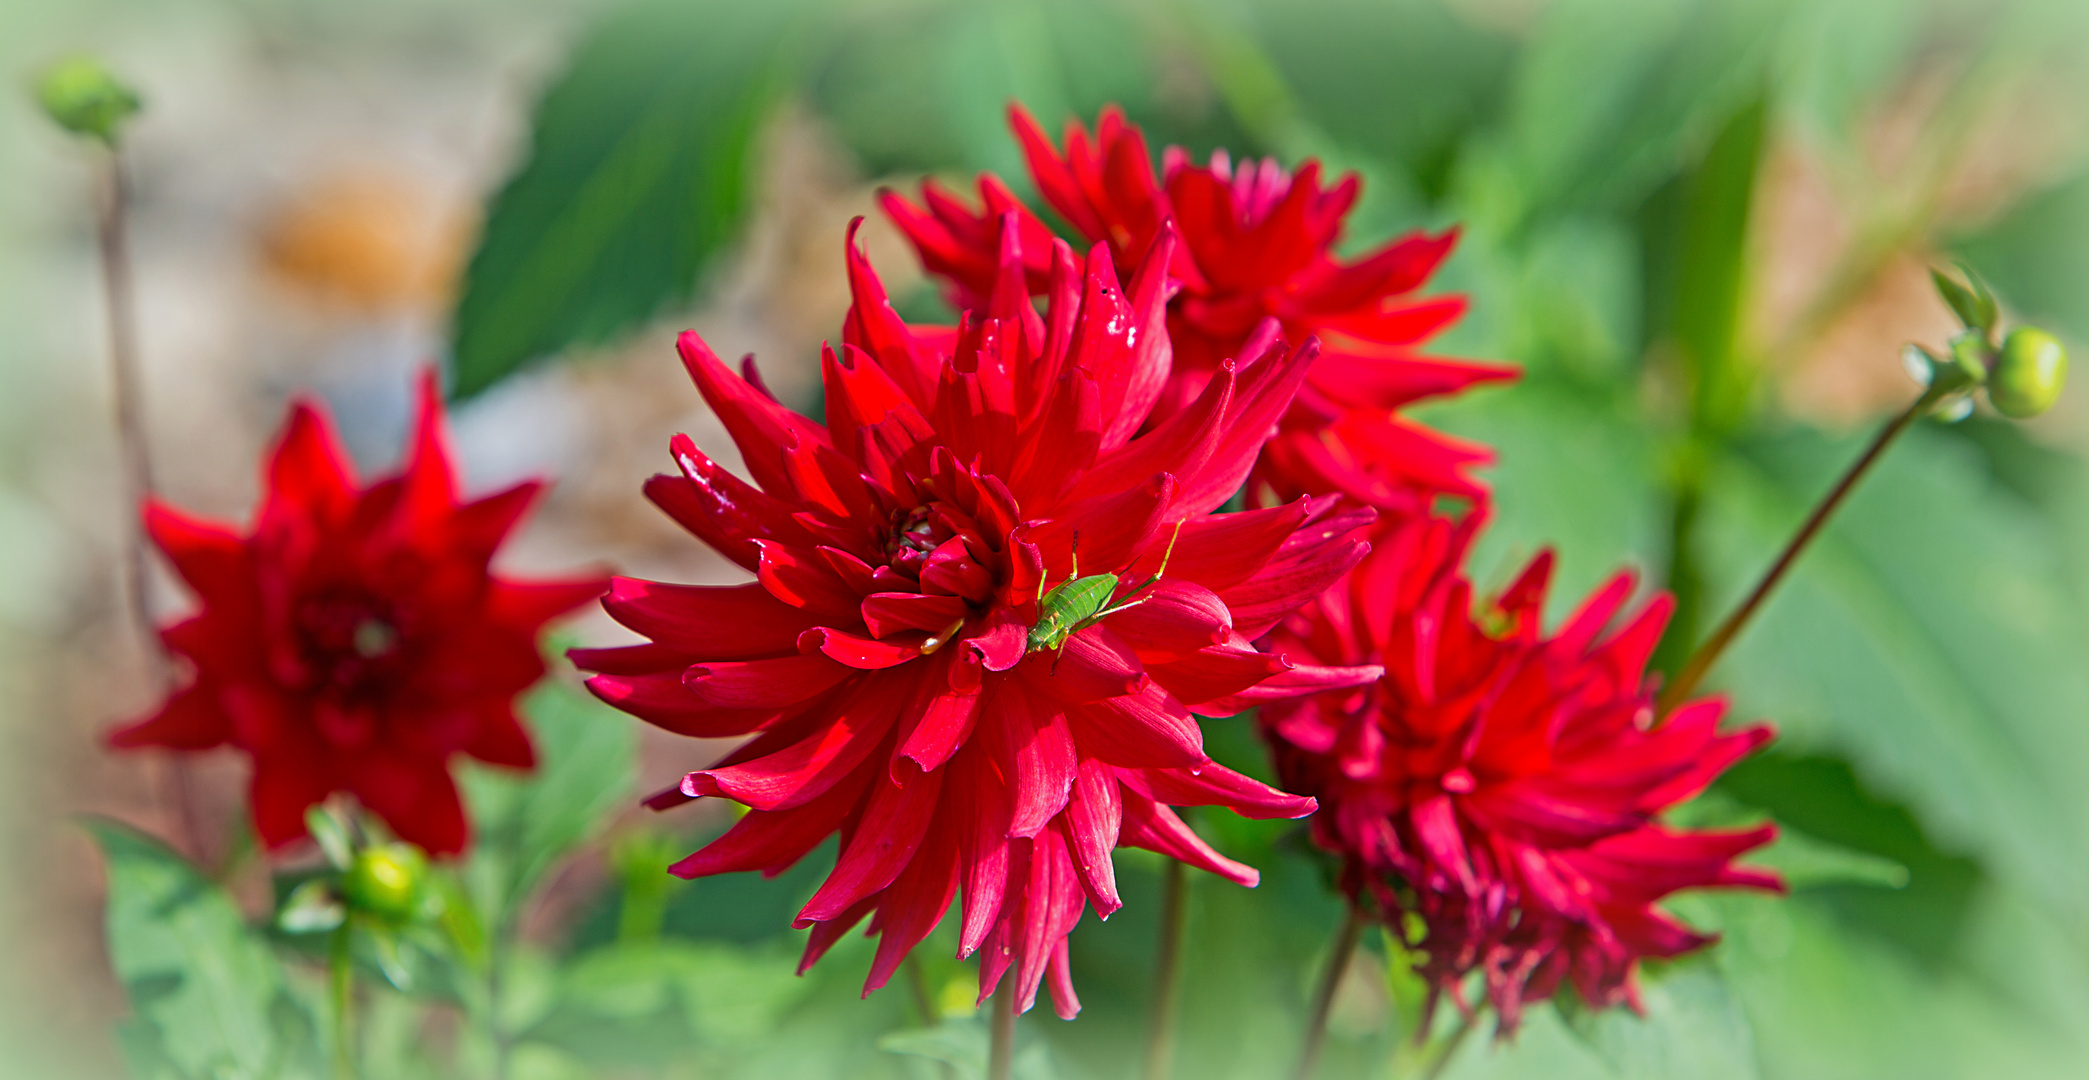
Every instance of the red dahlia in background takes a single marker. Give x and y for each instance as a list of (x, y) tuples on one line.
[(355, 640), (1502, 784), (883, 659), (1257, 244)]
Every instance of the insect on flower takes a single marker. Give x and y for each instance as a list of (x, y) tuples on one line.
[(1080, 602)]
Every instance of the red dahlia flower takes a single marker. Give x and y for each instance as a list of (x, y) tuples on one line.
[(1503, 785), (355, 639), (884, 659), (1256, 245)]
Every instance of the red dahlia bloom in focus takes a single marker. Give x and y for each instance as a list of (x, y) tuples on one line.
[(882, 659), (1502, 784), (1257, 245), (355, 639)]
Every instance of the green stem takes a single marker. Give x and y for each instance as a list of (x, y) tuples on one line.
[(1167, 979), (1449, 1047), (1001, 1015), (1338, 959), (925, 1004), (494, 1031), (341, 975), (917, 985), (1702, 659)]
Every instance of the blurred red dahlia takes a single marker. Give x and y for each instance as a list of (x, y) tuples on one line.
[(1502, 785), (883, 658), (1257, 245), (355, 640)]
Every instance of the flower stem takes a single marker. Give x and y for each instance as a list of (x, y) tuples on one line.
[(1001, 1015), (925, 1004), (111, 216), (1708, 653), (1448, 1048), (1167, 977), (1324, 999), (917, 986), (341, 974), (111, 208)]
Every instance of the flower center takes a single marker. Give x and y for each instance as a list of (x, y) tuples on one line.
[(938, 549), (915, 534), (349, 642)]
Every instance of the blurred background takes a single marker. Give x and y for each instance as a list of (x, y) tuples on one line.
[(1704, 228)]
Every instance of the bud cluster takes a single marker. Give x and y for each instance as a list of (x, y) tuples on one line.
[(381, 887), (2022, 375)]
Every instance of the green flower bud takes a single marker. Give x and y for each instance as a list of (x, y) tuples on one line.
[(385, 881), (85, 99), (2028, 374)]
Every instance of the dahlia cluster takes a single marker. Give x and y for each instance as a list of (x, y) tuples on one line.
[(993, 593)]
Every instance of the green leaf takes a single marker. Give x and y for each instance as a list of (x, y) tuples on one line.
[(1611, 95), (1963, 302), (926, 86), (1805, 861), (1404, 80), (527, 822), (1575, 471), (202, 985), (962, 1045), (1822, 798), (1829, 1003), (637, 178), (1693, 1027), (2036, 255), (1929, 638)]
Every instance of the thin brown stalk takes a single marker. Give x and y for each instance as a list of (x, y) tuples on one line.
[(1708, 653), (1338, 960), (1448, 1048), (112, 212)]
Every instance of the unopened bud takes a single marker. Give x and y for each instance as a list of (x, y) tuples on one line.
[(2028, 375), (385, 881), (85, 99)]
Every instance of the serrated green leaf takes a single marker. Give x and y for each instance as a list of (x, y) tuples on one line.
[(637, 177), (201, 983)]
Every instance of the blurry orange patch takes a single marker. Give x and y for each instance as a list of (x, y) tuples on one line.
[(1852, 371), (372, 242)]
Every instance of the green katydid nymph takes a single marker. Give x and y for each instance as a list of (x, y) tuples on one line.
[(1078, 603)]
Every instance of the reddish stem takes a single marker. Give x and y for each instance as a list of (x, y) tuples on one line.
[(1702, 659)]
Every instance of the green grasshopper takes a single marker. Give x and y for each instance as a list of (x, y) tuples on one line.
[(1078, 603)]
